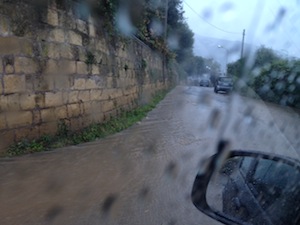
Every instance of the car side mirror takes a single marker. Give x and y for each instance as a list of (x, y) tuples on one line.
[(240, 187)]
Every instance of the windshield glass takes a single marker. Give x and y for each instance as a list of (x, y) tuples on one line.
[(108, 108), (225, 79)]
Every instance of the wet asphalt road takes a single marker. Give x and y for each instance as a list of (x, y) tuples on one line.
[(143, 175)]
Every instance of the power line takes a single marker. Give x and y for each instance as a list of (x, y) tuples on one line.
[(218, 28)]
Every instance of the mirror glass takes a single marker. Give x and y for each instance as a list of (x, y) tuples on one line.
[(256, 191)]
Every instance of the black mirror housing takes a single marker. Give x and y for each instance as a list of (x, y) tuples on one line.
[(202, 180)]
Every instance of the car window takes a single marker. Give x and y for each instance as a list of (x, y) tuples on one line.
[(225, 79), (104, 117)]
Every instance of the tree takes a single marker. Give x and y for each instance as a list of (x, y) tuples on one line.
[(236, 68), (272, 77), (199, 65), (175, 14), (185, 42), (148, 17), (264, 56)]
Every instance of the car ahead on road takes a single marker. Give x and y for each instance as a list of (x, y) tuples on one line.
[(204, 82), (224, 84)]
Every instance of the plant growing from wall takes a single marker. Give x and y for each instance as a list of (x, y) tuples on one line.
[(63, 129), (90, 58), (144, 64), (126, 67), (107, 10)]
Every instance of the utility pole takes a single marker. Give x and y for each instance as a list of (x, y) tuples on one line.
[(165, 39), (166, 20), (243, 42)]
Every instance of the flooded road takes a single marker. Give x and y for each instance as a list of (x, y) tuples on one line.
[(143, 175)]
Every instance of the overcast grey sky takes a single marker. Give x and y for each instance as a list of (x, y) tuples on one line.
[(273, 23)]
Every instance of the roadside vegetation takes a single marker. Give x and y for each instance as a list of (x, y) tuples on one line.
[(65, 136), (271, 77), (159, 24)]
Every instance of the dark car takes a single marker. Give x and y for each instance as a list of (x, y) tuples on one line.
[(223, 84), (204, 82)]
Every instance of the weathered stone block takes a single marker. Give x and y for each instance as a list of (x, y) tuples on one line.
[(6, 139), (86, 121), (9, 45), (66, 21), (92, 31), (28, 133), (107, 106), (37, 117), (122, 101), (101, 46), (49, 128), (1, 67), (79, 84), (87, 108), (62, 82), (18, 119), (52, 17), (53, 99), (109, 82), (76, 124), (4, 26), (29, 82), (52, 67), (96, 95), (9, 69), (61, 112), (73, 96), (91, 84), (97, 117), (2, 121), (65, 96), (44, 83), (27, 48), (115, 93), (81, 54), (57, 35), (60, 68), (84, 96), (82, 26), (27, 101), (96, 107), (67, 67), (53, 50), (126, 92), (25, 65), (14, 83), (73, 110), (95, 70), (40, 100), (74, 38), (48, 115), (82, 68), (66, 52)]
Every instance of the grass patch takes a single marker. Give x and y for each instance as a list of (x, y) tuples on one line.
[(65, 137)]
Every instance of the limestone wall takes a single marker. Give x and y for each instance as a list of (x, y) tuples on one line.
[(55, 65)]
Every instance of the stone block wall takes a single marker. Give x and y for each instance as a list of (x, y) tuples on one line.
[(56, 66)]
